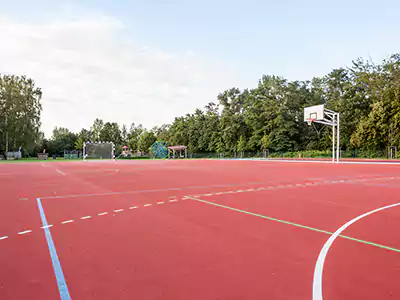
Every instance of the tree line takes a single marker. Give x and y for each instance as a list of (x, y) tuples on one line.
[(268, 116)]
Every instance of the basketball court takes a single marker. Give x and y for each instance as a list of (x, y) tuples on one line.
[(199, 229)]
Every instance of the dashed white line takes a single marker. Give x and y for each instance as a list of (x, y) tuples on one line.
[(118, 210), (66, 222), (3, 237), (48, 226), (152, 204), (161, 202), (207, 195), (24, 232), (132, 207), (102, 214), (87, 217), (173, 200)]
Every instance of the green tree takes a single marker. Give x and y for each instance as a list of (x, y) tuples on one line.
[(20, 109), (62, 139), (79, 144), (124, 134), (133, 136), (146, 139), (111, 132), (96, 129), (265, 142), (85, 135)]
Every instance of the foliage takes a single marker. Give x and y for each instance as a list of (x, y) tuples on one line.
[(146, 139), (62, 139), (268, 116), (20, 109), (79, 144)]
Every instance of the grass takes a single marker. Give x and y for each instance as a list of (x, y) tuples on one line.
[(34, 159)]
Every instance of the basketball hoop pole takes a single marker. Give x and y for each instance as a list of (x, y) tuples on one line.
[(333, 141), (338, 138)]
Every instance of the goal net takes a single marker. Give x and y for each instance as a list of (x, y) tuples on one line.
[(100, 150)]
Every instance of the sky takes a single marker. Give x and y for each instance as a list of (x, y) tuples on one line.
[(148, 62)]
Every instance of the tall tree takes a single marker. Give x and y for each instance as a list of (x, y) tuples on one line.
[(133, 136), (20, 109), (111, 132), (146, 139), (62, 139), (96, 129)]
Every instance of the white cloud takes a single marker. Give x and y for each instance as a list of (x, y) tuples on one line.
[(88, 68)]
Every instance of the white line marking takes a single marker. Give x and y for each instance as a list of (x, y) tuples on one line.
[(48, 226), (160, 202), (319, 266), (118, 210), (173, 200), (3, 237), (152, 204), (132, 207), (66, 222), (87, 217), (24, 232), (102, 214), (207, 195), (61, 172)]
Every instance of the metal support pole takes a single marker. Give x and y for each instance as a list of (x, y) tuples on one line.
[(333, 140), (6, 137), (84, 151), (113, 151), (338, 138)]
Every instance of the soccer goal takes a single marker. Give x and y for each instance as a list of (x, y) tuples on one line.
[(98, 150)]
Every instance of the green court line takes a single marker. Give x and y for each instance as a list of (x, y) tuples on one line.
[(296, 225)]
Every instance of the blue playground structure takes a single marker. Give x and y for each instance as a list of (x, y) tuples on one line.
[(159, 150)]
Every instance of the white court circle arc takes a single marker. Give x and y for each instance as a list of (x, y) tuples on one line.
[(319, 266)]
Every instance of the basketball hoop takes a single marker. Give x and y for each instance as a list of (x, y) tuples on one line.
[(310, 121), (321, 115)]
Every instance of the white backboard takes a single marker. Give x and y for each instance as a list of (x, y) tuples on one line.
[(315, 112)]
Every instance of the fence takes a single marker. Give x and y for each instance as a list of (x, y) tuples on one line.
[(372, 154)]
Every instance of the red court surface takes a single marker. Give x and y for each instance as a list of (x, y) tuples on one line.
[(199, 229)]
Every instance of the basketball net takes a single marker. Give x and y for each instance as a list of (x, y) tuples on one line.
[(311, 121)]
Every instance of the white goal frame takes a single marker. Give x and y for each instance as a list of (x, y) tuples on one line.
[(320, 114), (112, 149)]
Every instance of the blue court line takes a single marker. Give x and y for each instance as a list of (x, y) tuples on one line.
[(61, 283)]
